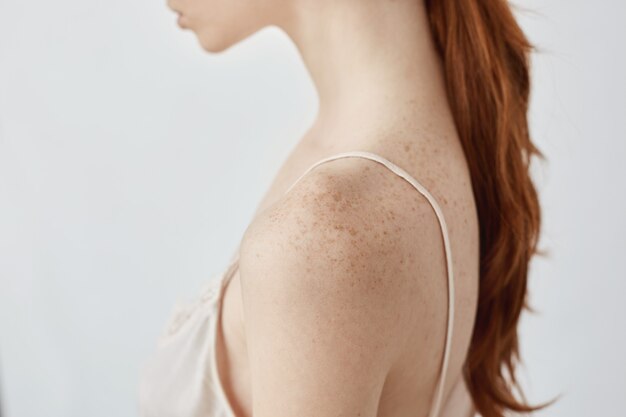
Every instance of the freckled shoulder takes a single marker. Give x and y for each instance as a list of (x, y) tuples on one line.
[(336, 274), (351, 206), (356, 228)]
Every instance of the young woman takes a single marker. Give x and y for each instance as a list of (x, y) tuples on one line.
[(385, 270)]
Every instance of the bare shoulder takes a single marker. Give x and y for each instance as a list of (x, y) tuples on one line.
[(351, 224), (329, 276)]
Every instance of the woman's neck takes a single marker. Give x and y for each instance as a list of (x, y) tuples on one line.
[(372, 62)]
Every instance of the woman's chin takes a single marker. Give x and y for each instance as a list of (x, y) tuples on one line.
[(213, 38), (213, 45)]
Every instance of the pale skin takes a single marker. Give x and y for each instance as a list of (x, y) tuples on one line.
[(339, 304)]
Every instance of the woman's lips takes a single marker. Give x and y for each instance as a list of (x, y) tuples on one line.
[(181, 20)]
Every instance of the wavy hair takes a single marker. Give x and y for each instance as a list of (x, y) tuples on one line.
[(486, 62)]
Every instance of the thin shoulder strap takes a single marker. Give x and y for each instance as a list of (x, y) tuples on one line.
[(436, 403)]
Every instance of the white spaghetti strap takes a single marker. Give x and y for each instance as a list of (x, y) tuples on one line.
[(436, 404)]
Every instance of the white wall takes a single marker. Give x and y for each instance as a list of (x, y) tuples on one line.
[(131, 162), (576, 343)]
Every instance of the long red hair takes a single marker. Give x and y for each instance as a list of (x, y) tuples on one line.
[(486, 62)]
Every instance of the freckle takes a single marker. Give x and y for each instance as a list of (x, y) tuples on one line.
[(384, 232), (353, 231), (406, 148), (337, 196)]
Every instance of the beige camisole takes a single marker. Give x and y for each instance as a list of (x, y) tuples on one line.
[(180, 378)]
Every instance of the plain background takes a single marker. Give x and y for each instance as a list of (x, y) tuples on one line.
[(131, 162)]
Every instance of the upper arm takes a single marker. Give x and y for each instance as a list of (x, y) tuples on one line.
[(322, 297)]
